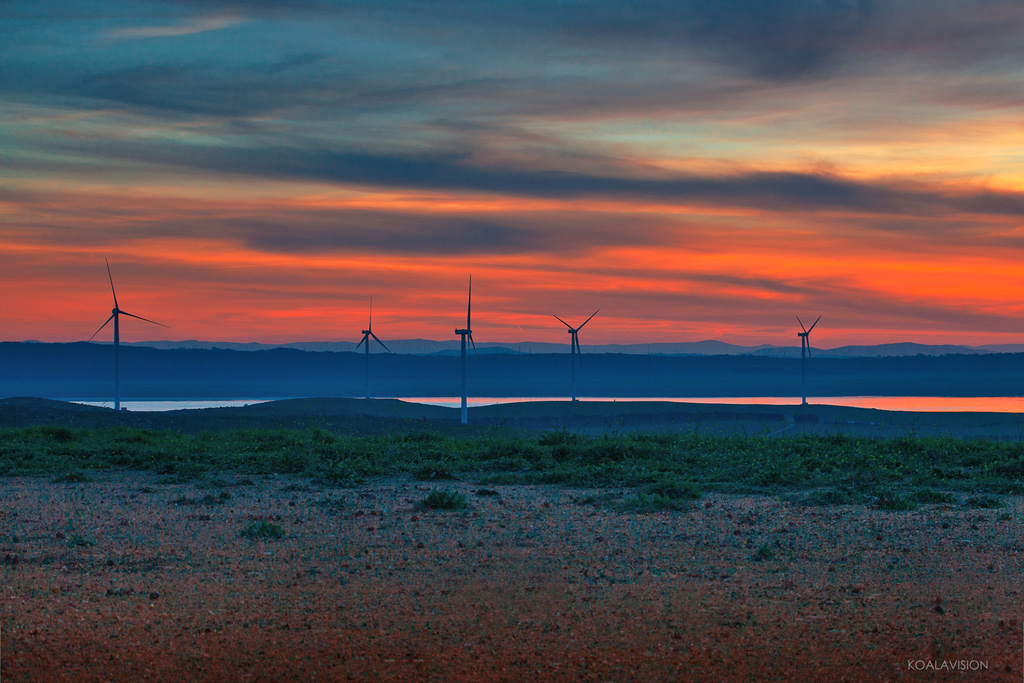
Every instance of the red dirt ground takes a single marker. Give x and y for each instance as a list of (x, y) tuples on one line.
[(112, 580)]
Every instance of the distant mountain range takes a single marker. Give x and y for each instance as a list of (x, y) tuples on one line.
[(427, 347), (85, 371)]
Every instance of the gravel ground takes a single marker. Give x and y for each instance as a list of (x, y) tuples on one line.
[(131, 578)]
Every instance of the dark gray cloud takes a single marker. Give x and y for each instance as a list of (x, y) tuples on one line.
[(778, 40), (456, 171), (464, 170), (782, 38), (95, 220), (324, 61), (364, 231), (201, 88)]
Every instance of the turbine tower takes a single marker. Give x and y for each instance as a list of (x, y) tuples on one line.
[(468, 332), (574, 345), (367, 333), (115, 316), (805, 352)]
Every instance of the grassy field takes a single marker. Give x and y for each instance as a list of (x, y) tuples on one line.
[(657, 469), (543, 542)]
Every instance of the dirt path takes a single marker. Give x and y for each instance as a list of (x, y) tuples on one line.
[(126, 578)]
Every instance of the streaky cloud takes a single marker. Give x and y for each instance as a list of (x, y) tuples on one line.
[(779, 191), (198, 25)]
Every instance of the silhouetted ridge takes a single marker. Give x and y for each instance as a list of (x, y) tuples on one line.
[(83, 371)]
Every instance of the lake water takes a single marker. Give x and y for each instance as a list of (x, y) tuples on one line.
[(985, 404), (160, 406), (944, 404)]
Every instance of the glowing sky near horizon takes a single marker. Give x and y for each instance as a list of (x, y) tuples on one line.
[(255, 170)]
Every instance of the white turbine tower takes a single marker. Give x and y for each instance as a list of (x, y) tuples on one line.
[(367, 333), (574, 345), (468, 332), (115, 316), (805, 352)]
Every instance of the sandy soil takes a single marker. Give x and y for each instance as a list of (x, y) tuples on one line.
[(127, 578)]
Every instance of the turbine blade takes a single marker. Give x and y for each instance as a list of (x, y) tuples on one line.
[(101, 328), (561, 321), (469, 306), (380, 342), (139, 317), (815, 323), (361, 342), (474, 346), (579, 351), (588, 319), (801, 324), (111, 278), (370, 326)]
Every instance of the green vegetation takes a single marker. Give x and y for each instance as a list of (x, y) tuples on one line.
[(431, 471), (931, 496), (444, 500), (331, 504), (983, 502), (263, 530), (763, 554), (72, 478), (840, 496), (664, 494), (79, 541), (888, 498), (666, 470)]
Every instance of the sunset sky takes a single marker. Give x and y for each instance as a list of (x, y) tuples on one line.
[(255, 171)]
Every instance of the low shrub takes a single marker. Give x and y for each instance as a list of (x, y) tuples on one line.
[(263, 530), (931, 496), (892, 500), (672, 489), (79, 541), (72, 478), (983, 502), (430, 471), (839, 496), (208, 499), (444, 500)]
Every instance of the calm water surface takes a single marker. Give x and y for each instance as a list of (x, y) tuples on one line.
[(984, 404), (943, 404), (160, 406)]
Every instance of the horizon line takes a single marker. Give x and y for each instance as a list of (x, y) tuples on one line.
[(506, 344)]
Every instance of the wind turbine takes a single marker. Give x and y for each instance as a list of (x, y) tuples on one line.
[(115, 314), (367, 333), (805, 352), (575, 346), (468, 332)]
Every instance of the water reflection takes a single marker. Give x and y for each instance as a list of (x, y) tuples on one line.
[(983, 404), (918, 404)]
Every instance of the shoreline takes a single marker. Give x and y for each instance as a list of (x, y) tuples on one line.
[(590, 417)]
